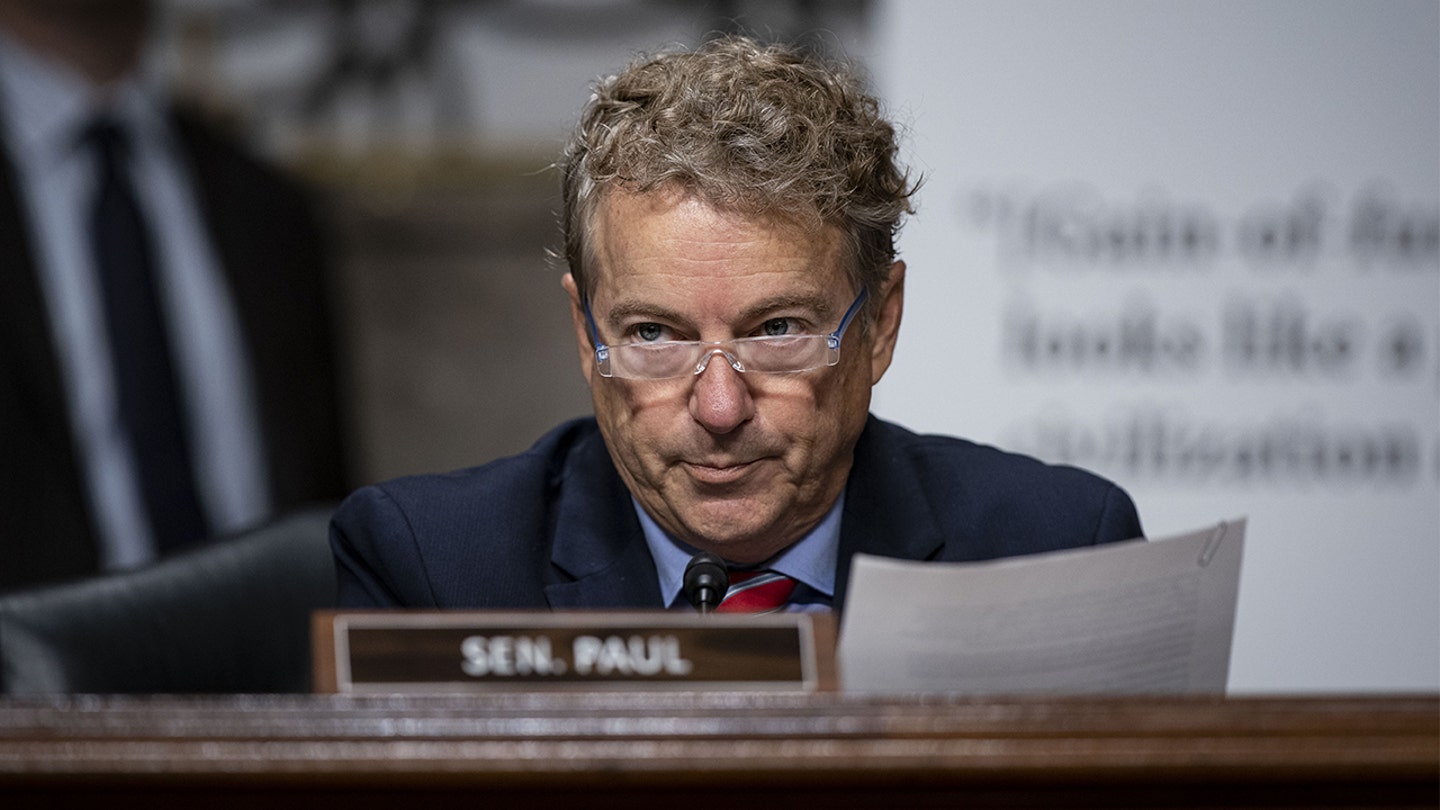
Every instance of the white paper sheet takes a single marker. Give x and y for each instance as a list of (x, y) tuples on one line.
[(1143, 616)]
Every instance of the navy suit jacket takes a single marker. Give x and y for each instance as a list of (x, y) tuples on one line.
[(555, 528)]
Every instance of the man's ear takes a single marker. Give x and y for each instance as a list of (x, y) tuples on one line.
[(582, 327), (886, 329)]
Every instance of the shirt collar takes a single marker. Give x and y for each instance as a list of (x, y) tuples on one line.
[(811, 560), (47, 103)]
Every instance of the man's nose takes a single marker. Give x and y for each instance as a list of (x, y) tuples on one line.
[(720, 399)]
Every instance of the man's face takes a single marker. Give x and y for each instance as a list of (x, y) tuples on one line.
[(738, 464)]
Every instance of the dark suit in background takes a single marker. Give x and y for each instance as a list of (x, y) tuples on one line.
[(555, 527), (270, 251)]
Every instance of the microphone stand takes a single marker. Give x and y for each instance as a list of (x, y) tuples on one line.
[(706, 580)]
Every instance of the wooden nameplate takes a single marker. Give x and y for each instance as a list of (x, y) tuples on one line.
[(368, 652)]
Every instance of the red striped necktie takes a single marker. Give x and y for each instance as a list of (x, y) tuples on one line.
[(756, 592)]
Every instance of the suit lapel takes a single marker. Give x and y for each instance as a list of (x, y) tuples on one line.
[(27, 345), (47, 527), (598, 540), (886, 513)]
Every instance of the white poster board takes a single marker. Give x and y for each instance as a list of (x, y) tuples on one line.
[(1195, 247)]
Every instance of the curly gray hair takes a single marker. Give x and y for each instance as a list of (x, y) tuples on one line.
[(759, 130)]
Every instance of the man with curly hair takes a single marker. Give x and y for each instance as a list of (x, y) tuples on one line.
[(729, 224)]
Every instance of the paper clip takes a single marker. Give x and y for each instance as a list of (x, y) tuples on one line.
[(1212, 545)]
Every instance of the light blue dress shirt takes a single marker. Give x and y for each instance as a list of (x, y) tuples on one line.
[(810, 561)]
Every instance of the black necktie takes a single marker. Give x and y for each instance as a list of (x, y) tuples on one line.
[(149, 398)]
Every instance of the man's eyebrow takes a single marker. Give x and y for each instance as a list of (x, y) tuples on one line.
[(815, 303), (805, 302), (626, 310)]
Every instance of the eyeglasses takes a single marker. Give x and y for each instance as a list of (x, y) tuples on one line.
[(768, 354)]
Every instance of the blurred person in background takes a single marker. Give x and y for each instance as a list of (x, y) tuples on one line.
[(168, 371)]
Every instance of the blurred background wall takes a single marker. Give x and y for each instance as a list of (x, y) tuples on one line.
[(1192, 245), (1195, 246)]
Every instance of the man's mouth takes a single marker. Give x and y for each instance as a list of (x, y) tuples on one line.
[(718, 472)]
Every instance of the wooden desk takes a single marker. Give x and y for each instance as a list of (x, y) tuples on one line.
[(711, 750)]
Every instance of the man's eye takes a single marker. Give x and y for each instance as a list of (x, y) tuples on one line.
[(650, 332), (779, 326)]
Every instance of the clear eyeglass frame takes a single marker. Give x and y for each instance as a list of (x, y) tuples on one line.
[(764, 354)]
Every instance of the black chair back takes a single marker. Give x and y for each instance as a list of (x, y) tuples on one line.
[(230, 617)]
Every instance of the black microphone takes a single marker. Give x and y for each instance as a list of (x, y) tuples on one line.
[(706, 581)]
